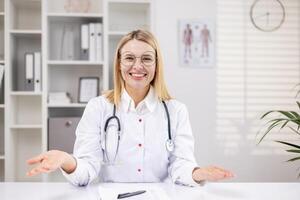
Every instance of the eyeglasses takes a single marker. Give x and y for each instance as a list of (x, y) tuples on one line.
[(128, 59)]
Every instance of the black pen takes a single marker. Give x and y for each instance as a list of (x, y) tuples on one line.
[(129, 194)]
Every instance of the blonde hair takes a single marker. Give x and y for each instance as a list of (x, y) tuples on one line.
[(158, 82)]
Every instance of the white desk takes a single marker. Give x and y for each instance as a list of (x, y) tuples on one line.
[(211, 191)]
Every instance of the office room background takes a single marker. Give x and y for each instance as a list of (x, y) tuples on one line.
[(253, 70)]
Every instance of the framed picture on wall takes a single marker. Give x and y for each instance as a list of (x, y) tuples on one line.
[(196, 43), (88, 88)]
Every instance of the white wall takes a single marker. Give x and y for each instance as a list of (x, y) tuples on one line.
[(197, 89)]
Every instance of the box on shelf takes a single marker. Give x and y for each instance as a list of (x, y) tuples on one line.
[(59, 98)]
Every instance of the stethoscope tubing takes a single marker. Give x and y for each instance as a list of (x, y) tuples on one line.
[(168, 118), (169, 142)]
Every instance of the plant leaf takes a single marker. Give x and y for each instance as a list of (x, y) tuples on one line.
[(298, 104), (293, 150), (267, 113), (296, 115), (289, 144), (296, 131), (268, 130), (293, 159), (287, 114), (284, 124)]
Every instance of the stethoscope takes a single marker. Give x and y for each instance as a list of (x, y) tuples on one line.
[(169, 143)]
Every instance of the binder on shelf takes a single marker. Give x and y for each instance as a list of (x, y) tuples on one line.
[(29, 70), (37, 72), (84, 51), (92, 41), (1, 74), (84, 37), (99, 38)]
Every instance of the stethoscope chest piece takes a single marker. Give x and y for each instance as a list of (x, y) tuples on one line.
[(170, 145)]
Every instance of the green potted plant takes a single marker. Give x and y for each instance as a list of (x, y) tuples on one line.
[(284, 119)]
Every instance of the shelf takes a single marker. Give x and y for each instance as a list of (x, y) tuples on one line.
[(27, 126), (2, 105), (117, 33), (72, 105), (81, 62), (24, 2), (80, 15), (25, 32), (25, 93), (1, 13), (129, 1), (2, 157), (1, 61)]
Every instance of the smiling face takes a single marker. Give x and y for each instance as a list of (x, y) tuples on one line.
[(138, 63)]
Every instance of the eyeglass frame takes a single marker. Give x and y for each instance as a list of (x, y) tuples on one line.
[(135, 58)]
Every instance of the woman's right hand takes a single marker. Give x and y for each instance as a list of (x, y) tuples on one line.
[(50, 161)]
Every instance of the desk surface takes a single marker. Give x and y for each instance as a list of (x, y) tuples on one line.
[(214, 191)]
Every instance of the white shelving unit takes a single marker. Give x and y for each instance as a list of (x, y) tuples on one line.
[(72, 105), (25, 32), (72, 63), (43, 25), (2, 104), (80, 15)]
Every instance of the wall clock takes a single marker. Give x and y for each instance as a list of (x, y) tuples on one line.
[(267, 15)]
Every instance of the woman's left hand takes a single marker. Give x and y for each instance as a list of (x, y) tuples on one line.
[(211, 173)]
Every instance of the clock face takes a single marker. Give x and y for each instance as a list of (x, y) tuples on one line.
[(267, 15)]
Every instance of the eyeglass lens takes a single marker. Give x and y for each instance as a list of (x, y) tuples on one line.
[(148, 59)]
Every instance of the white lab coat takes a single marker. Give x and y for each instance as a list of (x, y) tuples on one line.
[(142, 155)]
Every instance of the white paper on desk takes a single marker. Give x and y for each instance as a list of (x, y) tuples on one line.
[(153, 193)]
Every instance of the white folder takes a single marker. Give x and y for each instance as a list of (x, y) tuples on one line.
[(92, 39), (29, 82), (37, 72), (1, 74), (84, 37), (99, 39)]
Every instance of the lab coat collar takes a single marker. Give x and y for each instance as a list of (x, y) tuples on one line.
[(149, 101)]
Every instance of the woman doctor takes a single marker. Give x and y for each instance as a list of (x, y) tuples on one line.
[(134, 133)]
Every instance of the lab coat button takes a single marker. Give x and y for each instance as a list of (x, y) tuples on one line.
[(140, 145), (139, 170), (140, 120)]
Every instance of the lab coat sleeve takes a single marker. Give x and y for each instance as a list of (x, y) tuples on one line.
[(87, 148), (182, 160)]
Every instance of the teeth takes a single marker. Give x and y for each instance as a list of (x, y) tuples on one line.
[(137, 75)]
